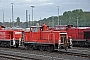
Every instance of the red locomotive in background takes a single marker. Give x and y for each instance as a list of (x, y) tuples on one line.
[(9, 38), (80, 35)]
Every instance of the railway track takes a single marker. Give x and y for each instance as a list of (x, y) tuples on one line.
[(34, 54), (77, 51), (75, 54), (9, 56)]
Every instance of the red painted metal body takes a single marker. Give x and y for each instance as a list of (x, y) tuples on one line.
[(6, 35), (78, 35), (75, 33), (10, 34), (42, 38), (49, 36), (9, 37)]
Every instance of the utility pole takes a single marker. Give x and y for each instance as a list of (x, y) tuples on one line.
[(12, 15), (3, 18), (10, 23), (32, 14), (40, 21), (26, 18), (52, 21), (58, 15), (77, 21), (29, 20)]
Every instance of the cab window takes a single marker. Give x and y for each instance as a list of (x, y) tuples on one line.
[(36, 29)]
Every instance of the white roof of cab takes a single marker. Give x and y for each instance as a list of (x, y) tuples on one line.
[(36, 26)]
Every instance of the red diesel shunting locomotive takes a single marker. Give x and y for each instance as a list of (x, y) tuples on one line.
[(80, 35), (9, 38), (40, 37)]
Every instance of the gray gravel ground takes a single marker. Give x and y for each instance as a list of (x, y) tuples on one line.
[(43, 55)]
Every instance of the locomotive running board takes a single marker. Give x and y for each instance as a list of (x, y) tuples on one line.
[(57, 49)]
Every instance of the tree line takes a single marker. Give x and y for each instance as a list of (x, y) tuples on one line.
[(68, 18)]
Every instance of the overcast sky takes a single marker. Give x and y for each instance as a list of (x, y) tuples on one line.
[(43, 8)]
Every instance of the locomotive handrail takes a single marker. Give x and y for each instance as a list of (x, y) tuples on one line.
[(25, 37), (6, 37), (31, 34), (53, 38), (17, 37)]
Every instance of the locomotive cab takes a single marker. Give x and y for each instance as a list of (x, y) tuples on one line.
[(35, 28), (63, 38), (40, 37), (63, 42), (2, 27)]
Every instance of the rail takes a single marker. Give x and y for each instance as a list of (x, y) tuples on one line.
[(75, 54), (9, 56)]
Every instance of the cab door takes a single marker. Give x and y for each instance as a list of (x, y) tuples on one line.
[(63, 38), (64, 42)]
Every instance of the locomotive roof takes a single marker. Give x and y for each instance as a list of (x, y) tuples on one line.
[(83, 27), (2, 26), (36, 26), (61, 25)]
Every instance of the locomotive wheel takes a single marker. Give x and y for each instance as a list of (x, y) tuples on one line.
[(50, 49), (31, 47), (26, 47), (8, 45), (5, 44), (41, 48), (17, 45)]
